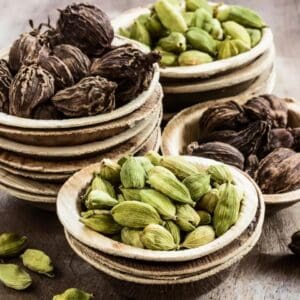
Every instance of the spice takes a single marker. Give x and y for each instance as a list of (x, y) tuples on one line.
[(5, 81)]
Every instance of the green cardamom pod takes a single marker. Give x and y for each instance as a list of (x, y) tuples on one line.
[(11, 244), (103, 185), (199, 39), (143, 18), (202, 235), (193, 5), (214, 28), (110, 171), (255, 36), (241, 15), (198, 185), (166, 182), (175, 42), (174, 230), (194, 58), (220, 174), (155, 27), (122, 160), (14, 277), (121, 198), (132, 174), (73, 294), (100, 221), (228, 208), (188, 17), (187, 217), (131, 194), (179, 166), (98, 200), (140, 33), (154, 157), (209, 201), (160, 202), (146, 163), (156, 237), (131, 237), (237, 31), (205, 217), (168, 59), (201, 16), (170, 16), (124, 32), (37, 261), (135, 214)]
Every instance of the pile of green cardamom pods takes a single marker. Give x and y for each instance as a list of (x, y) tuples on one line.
[(196, 32), (15, 277), (161, 203)]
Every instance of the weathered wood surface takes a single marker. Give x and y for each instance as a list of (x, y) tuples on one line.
[(268, 272)]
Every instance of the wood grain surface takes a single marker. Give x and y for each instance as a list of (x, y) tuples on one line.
[(268, 272)]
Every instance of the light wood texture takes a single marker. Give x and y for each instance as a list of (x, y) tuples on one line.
[(68, 212)]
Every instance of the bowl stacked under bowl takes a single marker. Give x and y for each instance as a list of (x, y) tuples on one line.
[(37, 156), (252, 71), (133, 268)]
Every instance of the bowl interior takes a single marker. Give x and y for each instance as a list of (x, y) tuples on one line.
[(68, 210)]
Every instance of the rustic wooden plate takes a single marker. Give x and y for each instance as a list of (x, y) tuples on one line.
[(77, 136), (183, 129), (179, 272), (84, 149), (205, 70), (69, 214), (124, 110)]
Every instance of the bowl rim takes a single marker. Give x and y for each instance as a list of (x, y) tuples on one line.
[(290, 198), (68, 214), (134, 104), (205, 70)]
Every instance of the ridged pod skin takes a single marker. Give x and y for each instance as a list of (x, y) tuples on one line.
[(255, 36), (86, 27), (156, 237), (11, 244), (193, 5), (187, 217), (74, 294), (140, 33), (154, 157), (110, 170), (198, 185), (100, 200), (6, 79), (77, 62), (135, 214), (47, 111), (193, 58), (131, 194), (132, 237), (202, 235), (279, 138), (174, 42), (220, 174), (228, 207), (98, 183), (166, 182), (31, 87), (230, 48), (209, 201), (90, 96), (237, 31), (205, 217), (174, 230)]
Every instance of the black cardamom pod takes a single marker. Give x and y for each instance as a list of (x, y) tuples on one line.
[(47, 111), (5, 82)]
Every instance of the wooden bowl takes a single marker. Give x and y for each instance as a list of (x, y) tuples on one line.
[(68, 210), (183, 129), (83, 135), (137, 275), (124, 110), (84, 149), (205, 70)]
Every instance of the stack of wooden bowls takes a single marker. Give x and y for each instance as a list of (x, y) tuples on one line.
[(37, 156), (252, 71), (145, 274), (184, 129)]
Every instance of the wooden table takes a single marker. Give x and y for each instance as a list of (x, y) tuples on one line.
[(268, 272)]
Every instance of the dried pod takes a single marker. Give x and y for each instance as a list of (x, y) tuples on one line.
[(129, 67), (5, 82), (219, 151), (90, 96), (280, 177), (296, 136), (228, 115), (59, 70), (77, 62), (279, 138), (47, 111), (31, 87), (251, 165), (86, 27), (268, 108), (248, 141)]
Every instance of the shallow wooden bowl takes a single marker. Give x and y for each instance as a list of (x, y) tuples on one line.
[(183, 129), (68, 210), (84, 149), (124, 110), (83, 135), (205, 70)]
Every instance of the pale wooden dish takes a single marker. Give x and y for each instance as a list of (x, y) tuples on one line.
[(125, 110), (156, 273), (183, 129), (68, 212), (205, 70), (83, 135)]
